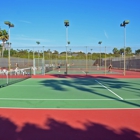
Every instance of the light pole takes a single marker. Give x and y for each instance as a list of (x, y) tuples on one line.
[(0, 44), (67, 51), (105, 60), (66, 23), (28, 57), (70, 52), (123, 25), (49, 58), (86, 59), (91, 54), (33, 54), (91, 58), (70, 55), (37, 42), (100, 42), (38, 59), (10, 25), (43, 54), (43, 62)]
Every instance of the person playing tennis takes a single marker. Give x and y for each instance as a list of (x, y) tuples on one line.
[(97, 66), (58, 67), (109, 68)]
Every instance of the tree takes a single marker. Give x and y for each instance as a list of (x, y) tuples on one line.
[(121, 51), (48, 51), (4, 37), (128, 50), (137, 51), (115, 51), (56, 52)]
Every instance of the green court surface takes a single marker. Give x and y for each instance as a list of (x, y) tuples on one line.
[(82, 72), (81, 93)]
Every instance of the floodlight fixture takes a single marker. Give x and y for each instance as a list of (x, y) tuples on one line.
[(9, 24), (66, 23), (100, 42), (38, 42), (122, 25), (126, 22)]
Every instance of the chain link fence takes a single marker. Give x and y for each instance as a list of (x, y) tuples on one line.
[(77, 60)]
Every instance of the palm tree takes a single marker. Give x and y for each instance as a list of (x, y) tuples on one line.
[(4, 37)]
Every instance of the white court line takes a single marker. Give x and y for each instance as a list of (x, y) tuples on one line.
[(25, 85), (84, 72), (132, 99), (27, 99), (69, 108), (109, 90)]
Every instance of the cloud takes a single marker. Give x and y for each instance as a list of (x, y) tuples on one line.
[(24, 21), (105, 34)]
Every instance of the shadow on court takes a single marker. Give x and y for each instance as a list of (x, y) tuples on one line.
[(82, 84), (57, 130)]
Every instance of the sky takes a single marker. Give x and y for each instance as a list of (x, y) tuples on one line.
[(90, 21)]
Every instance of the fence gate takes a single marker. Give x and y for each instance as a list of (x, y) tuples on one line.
[(38, 66)]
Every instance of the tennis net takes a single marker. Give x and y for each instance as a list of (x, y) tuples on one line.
[(14, 76)]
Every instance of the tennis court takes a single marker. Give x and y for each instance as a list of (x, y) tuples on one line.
[(72, 93), (82, 70), (71, 107)]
